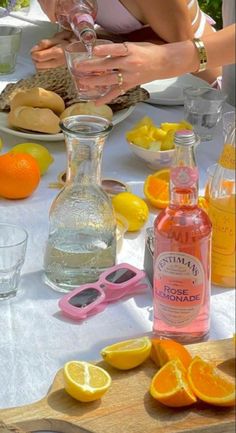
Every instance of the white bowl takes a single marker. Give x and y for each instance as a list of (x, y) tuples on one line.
[(156, 159)]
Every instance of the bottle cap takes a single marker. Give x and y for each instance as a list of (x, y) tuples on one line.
[(186, 137)]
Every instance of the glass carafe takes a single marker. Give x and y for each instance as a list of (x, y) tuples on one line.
[(82, 230)]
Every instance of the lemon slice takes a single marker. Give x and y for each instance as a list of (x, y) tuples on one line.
[(127, 354), (84, 381)]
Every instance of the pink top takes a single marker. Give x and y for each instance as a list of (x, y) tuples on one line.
[(115, 18)]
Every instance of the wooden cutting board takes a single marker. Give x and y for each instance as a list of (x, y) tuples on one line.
[(127, 407)]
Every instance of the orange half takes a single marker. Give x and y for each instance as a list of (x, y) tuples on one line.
[(210, 384), (156, 188), (164, 351), (170, 385)]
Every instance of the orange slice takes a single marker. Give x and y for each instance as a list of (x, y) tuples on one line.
[(210, 384), (170, 385), (156, 188), (164, 351)]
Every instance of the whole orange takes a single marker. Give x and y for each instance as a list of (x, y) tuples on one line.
[(19, 175)]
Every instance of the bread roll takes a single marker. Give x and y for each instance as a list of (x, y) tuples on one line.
[(34, 119), (38, 98), (88, 108)]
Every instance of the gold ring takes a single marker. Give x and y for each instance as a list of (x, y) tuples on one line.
[(120, 79)]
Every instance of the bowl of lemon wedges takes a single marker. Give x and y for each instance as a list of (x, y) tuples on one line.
[(154, 144)]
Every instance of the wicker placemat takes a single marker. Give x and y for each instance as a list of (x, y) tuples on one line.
[(59, 80)]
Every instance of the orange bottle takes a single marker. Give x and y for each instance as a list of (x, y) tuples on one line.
[(222, 210)]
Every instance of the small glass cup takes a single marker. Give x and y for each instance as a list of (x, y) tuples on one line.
[(13, 242), (76, 53), (210, 173), (10, 39), (229, 125), (203, 109)]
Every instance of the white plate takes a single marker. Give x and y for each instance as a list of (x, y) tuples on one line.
[(118, 117), (170, 91)]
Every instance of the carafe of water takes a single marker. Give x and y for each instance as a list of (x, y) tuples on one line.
[(82, 229)]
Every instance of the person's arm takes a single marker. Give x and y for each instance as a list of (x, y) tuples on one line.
[(48, 7), (170, 19), (144, 62)]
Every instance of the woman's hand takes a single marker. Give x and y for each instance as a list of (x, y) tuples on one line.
[(49, 53), (125, 66)]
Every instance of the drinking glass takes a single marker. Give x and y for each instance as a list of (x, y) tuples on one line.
[(210, 173), (203, 109), (10, 38), (76, 53), (13, 241)]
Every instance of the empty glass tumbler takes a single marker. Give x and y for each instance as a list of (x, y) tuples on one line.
[(13, 242), (203, 108), (10, 39), (82, 232)]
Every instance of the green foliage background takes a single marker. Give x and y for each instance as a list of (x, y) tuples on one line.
[(214, 9), (19, 3)]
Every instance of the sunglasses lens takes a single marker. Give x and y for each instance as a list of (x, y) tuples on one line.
[(120, 276), (85, 297)]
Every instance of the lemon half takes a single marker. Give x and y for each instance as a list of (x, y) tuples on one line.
[(84, 381), (127, 354)]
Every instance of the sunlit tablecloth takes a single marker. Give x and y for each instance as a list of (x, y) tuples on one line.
[(35, 340)]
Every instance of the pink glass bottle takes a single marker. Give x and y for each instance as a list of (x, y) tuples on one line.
[(78, 15), (182, 253)]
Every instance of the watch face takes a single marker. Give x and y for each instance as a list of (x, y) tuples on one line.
[(85, 297)]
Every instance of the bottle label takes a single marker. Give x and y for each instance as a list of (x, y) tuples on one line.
[(227, 158), (183, 177), (83, 18), (179, 288), (222, 215)]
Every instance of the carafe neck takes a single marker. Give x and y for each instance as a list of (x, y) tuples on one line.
[(84, 161), (85, 137)]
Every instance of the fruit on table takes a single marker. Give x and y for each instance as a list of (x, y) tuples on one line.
[(149, 136), (132, 208), (19, 175), (170, 385), (84, 381), (156, 188), (210, 384), (39, 152), (127, 354), (164, 351)]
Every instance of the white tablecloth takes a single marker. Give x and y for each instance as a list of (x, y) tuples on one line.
[(35, 340)]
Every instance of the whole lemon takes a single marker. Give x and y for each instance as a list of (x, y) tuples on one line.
[(39, 152), (132, 208)]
